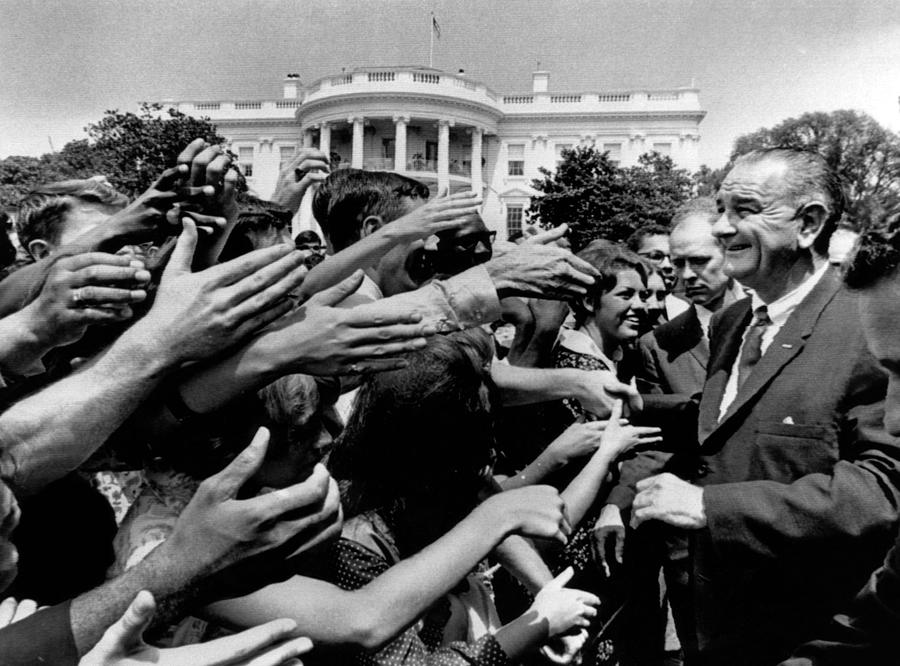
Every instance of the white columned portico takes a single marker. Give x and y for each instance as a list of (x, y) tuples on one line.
[(325, 138), (443, 165), (356, 159), (400, 123), (477, 181)]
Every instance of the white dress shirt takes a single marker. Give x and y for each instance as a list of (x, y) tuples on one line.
[(779, 312)]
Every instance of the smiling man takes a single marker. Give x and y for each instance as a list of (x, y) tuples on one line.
[(790, 498)]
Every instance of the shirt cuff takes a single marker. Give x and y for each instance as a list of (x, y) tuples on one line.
[(472, 297)]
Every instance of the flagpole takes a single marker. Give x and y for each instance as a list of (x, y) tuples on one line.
[(431, 45)]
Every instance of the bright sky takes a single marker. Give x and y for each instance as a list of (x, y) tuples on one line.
[(756, 62)]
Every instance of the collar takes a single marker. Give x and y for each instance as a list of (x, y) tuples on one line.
[(576, 340), (781, 308), (734, 293)]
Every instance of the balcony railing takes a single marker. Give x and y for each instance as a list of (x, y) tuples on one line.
[(378, 163)]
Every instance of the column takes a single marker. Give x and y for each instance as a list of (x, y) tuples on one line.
[(477, 181), (356, 159), (325, 138), (400, 123), (307, 138), (443, 165)]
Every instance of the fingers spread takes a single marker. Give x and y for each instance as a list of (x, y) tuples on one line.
[(246, 266), (337, 293), (98, 296)]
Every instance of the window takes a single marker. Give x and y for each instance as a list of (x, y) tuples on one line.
[(515, 158), (663, 148), (286, 154), (245, 160), (560, 147), (614, 150), (514, 216)]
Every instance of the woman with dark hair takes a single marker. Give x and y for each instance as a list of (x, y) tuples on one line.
[(413, 461)]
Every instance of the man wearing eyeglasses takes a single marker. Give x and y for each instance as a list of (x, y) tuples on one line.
[(651, 242)]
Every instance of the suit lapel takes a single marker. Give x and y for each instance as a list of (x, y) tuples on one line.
[(729, 333), (789, 342)]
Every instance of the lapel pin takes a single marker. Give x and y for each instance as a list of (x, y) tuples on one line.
[(787, 346), (788, 420)]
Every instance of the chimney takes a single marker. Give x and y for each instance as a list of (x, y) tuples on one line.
[(540, 81), (291, 86)]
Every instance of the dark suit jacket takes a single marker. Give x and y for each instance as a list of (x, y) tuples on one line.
[(867, 632), (801, 481)]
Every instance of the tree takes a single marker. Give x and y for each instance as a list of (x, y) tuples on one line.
[(707, 181), (133, 149), (865, 154), (130, 149), (598, 199)]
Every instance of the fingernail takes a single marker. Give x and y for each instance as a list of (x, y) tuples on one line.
[(142, 275), (136, 263), (429, 330), (209, 190)]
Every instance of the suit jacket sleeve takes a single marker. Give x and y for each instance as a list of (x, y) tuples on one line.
[(859, 499), (867, 632)]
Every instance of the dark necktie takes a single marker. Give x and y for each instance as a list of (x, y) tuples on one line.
[(752, 349)]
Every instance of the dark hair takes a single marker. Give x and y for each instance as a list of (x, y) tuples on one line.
[(636, 239), (349, 196), (308, 237), (876, 256), (610, 259), (416, 438), (42, 210), (808, 175), (515, 236), (259, 214)]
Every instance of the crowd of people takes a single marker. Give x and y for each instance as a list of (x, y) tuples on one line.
[(407, 444)]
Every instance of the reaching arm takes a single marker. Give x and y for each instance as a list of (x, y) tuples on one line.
[(374, 614)]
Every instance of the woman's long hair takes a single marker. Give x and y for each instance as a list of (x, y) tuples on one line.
[(418, 438)]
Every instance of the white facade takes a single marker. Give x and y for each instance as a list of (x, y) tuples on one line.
[(451, 131)]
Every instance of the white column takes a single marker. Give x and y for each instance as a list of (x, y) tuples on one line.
[(443, 165), (307, 139), (477, 181), (356, 159), (325, 138), (400, 123)]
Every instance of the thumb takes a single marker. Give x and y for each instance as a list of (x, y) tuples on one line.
[(340, 291), (183, 254), (245, 465), (615, 413), (561, 580), (549, 236), (126, 634)]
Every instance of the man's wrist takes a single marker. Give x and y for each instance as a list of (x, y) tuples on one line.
[(504, 286)]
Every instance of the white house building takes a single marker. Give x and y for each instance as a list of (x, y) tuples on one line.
[(451, 131)]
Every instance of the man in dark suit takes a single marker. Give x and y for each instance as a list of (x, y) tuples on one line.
[(790, 497), (866, 631)]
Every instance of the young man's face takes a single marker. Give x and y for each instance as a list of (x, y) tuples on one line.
[(879, 311), (468, 246), (655, 249), (408, 265), (81, 218)]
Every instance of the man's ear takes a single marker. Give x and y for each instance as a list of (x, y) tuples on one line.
[(812, 218), (371, 224), (587, 304), (39, 248)]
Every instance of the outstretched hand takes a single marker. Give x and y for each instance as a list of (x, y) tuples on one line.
[(562, 608), (319, 339), (541, 271), (269, 644), (443, 213), (307, 168), (216, 529)]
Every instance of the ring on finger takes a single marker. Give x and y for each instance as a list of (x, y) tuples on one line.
[(77, 297), (354, 369)]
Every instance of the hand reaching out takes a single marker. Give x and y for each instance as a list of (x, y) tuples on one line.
[(216, 529), (308, 167), (532, 511), (578, 440), (443, 213), (561, 608), (319, 339), (269, 644), (81, 290), (197, 315), (619, 437), (609, 525)]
